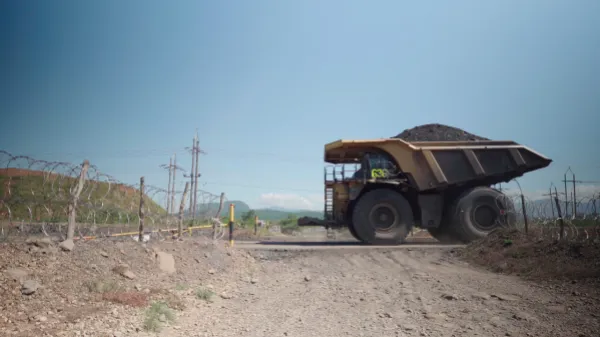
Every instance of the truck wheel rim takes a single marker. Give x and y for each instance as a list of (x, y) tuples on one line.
[(485, 217), (383, 217)]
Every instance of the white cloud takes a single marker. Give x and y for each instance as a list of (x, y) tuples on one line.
[(291, 201)]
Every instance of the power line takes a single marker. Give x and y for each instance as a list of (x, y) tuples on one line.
[(265, 187), (127, 153)]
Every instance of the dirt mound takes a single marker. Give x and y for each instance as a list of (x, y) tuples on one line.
[(437, 132), (529, 256), (44, 289)]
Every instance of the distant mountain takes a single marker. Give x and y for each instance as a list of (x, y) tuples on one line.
[(271, 213)]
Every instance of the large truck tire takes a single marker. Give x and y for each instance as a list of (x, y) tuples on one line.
[(382, 217), (478, 212), (353, 231)]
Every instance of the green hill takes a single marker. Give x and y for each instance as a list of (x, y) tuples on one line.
[(28, 194), (262, 213)]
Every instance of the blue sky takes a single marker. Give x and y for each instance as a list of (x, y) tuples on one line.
[(267, 83)]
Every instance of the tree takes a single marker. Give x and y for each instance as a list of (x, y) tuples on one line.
[(248, 218), (289, 224)]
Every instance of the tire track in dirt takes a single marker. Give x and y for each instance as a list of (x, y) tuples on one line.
[(377, 293)]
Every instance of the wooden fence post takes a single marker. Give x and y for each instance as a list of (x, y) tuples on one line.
[(72, 209), (524, 213), (560, 217), (141, 211), (181, 208)]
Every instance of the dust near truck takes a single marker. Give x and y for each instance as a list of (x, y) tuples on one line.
[(433, 177)]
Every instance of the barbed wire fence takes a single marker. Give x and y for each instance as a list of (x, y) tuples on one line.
[(549, 218), (35, 197)]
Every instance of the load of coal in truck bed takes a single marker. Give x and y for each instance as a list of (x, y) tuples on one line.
[(437, 132)]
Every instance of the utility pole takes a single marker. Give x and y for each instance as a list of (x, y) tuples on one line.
[(566, 194), (550, 195), (192, 177), (196, 175), (173, 185), (172, 167), (170, 188)]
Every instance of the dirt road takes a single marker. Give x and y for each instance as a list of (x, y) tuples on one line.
[(382, 292)]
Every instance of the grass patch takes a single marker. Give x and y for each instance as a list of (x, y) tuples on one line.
[(157, 314), (181, 287), (204, 294)]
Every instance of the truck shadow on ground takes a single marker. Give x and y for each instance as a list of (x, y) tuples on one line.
[(340, 243)]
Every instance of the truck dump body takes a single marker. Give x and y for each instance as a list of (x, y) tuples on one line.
[(439, 165)]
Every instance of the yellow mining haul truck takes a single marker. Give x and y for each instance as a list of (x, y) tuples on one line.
[(381, 188)]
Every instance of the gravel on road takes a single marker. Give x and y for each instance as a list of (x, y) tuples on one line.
[(384, 293)]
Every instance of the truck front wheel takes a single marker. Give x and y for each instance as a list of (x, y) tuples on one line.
[(382, 217)]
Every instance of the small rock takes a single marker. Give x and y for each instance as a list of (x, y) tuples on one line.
[(17, 274), (450, 297), (29, 287), (480, 296), (226, 296), (307, 278), (211, 271), (409, 327), (67, 245), (166, 262), (522, 316), (41, 318), (103, 253), (138, 287), (124, 271), (40, 242), (254, 281), (507, 298), (557, 308)]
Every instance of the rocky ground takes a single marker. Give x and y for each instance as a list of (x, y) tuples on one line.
[(194, 288)]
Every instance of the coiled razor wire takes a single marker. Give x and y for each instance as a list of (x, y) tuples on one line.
[(36, 194)]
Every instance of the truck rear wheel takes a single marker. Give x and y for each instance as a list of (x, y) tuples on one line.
[(382, 217), (478, 212)]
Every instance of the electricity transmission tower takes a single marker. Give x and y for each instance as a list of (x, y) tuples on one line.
[(172, 167), (194, 175)]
